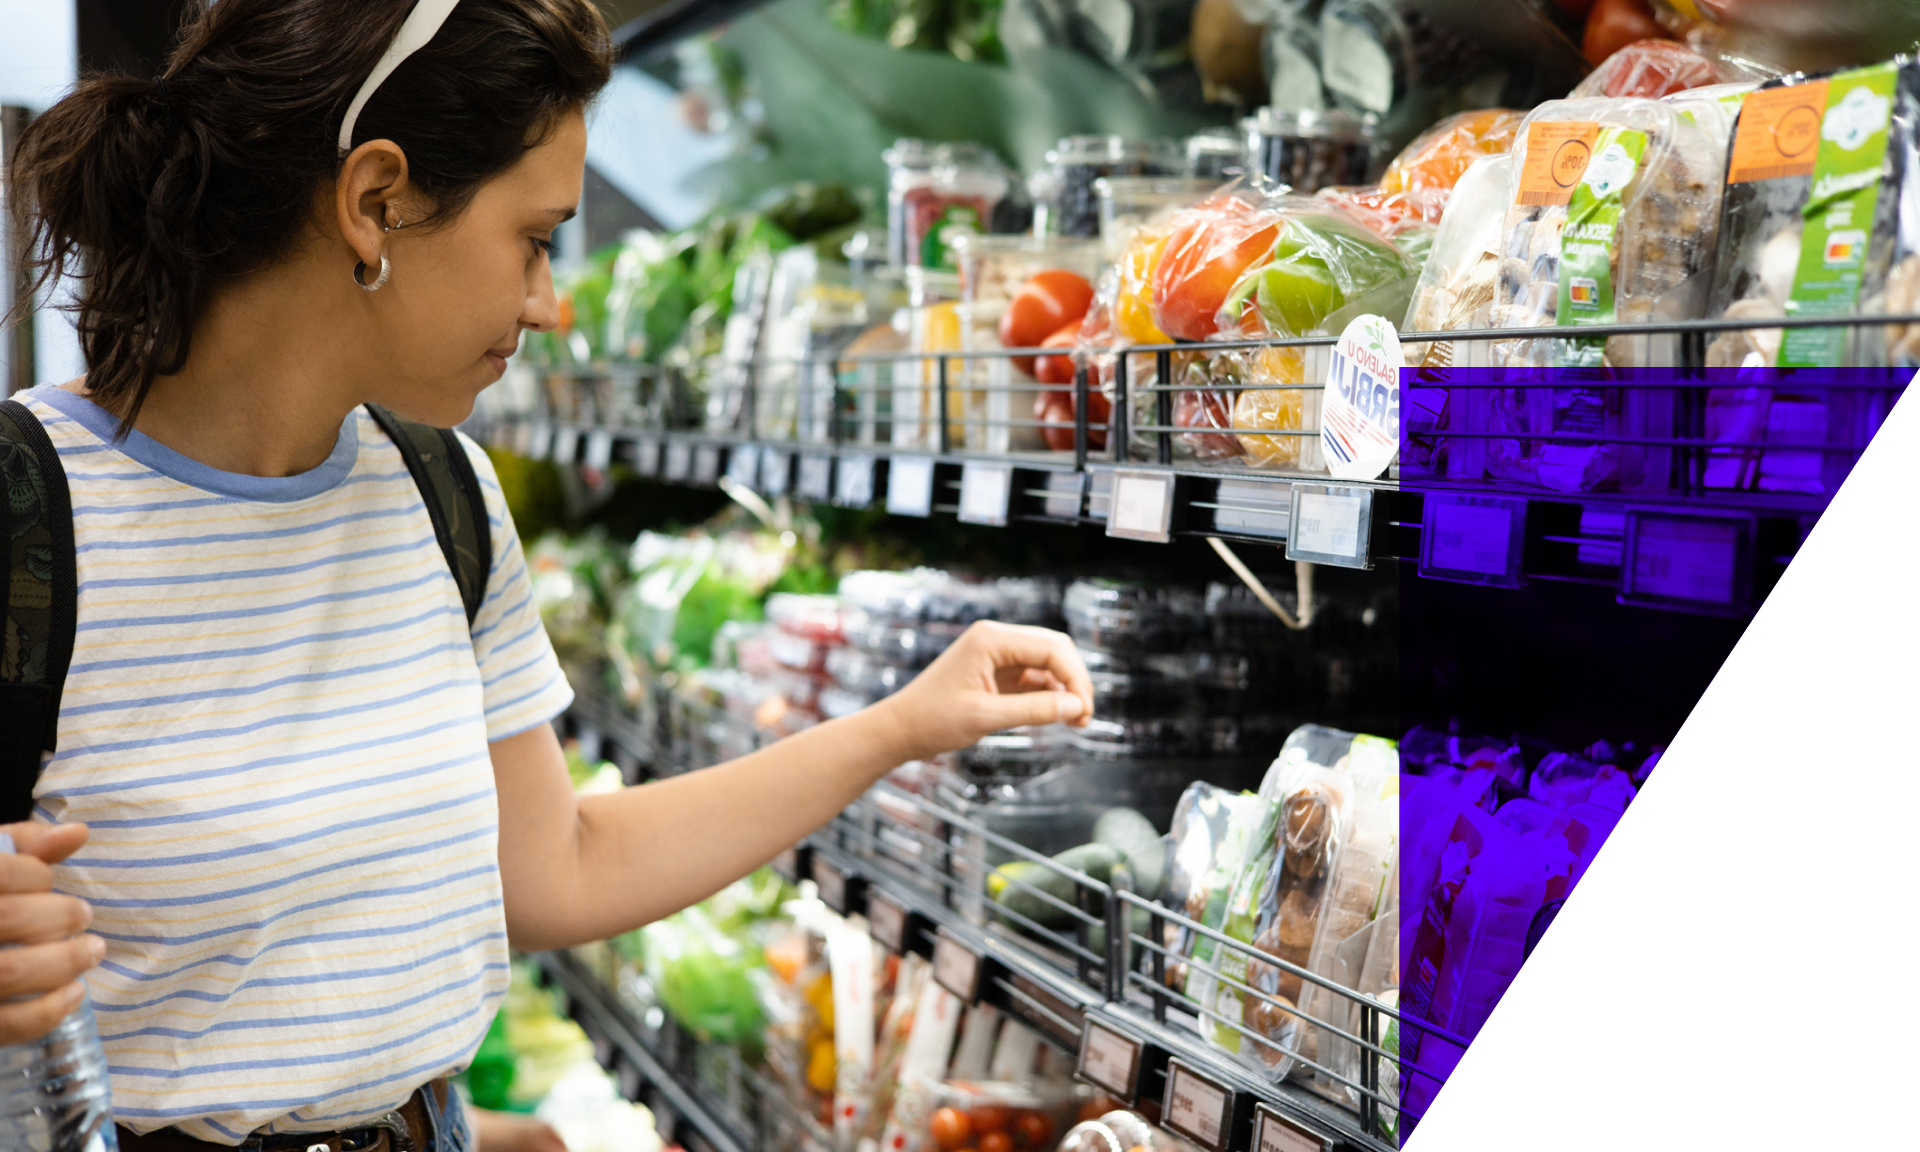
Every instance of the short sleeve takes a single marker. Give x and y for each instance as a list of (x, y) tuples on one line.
[(519, 674)]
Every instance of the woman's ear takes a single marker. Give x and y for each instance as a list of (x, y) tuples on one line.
[(367, 197)]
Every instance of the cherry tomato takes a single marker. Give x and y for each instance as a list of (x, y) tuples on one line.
[(1033, 1129), (996, 1142), (950, 1127), (1056, 369), (1057, 407), (1043, 305), (987, 1119), (1614, 24)]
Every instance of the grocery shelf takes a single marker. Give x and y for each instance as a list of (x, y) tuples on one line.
[(915, 870), (1612, 536)]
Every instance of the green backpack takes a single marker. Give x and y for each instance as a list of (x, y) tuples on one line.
[(39, 597)]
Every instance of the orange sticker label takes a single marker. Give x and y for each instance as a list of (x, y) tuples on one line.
[(1779, 133), (1557, 155)]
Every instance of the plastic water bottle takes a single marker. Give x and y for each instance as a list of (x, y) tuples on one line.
[(54, 1095)]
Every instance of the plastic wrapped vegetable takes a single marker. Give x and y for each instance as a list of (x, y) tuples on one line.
[(1321, 260), (1264, 403), (1427, 170), (1209, 248), (1649, 69)]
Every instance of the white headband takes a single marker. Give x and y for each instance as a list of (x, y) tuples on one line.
[(425, 19)]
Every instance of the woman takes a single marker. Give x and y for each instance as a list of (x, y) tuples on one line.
[(321, 804)]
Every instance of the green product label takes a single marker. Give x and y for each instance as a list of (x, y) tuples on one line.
[(1587, 242), (1838, 219), (955, 220)]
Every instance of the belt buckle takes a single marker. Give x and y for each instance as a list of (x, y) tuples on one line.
[(401, 1139)]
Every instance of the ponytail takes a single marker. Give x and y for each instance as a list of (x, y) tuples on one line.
[(149, 195)]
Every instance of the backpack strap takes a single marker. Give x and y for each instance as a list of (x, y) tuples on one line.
[(455, 503), (38, 599)]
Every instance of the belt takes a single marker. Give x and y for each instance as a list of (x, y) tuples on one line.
[(408, 1128)]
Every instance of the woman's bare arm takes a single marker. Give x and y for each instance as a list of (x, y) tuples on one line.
[(585, 869)]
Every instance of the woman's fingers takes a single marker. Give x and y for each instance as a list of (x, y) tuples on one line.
[(1041, 650), (31, 1019), (42, 917), (36, 968), (48, 843)]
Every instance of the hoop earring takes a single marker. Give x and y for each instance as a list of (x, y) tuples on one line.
[(380, 281)]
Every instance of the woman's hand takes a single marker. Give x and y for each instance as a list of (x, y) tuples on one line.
[(996, 676), (42, 949)]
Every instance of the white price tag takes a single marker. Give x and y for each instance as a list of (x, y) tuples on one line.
[(1360, 414), (706, 465), (985, 492), (853, 482), (1329, 525), (832, 884), (1109, 1061), (887, 922), (1476, 539), (566, 442), (743, 465), (1196, 1107), (1066, 491), (679, 462), (776, 469), (1273, 1132), (539, 440), (956, 967), (910, 486), (1142, 506), (816, 478), (1685, 560), (599, 449)]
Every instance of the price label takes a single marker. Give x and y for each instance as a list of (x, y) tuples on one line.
[(1109, 1061), (887, 922), (539, 440), (1273, 1132), (1142, 506), (1474, 539), (1066, 491), (1196, 1107), (776, 471), (956, 967), (816, 478), (566, 442), (1049, 1012), (1686, 561), (853, 482), (706, 465), (598, 452), (832, 884), (910, 486), (1360, 416), (743, 465), (1330, 525), (787, 865), (646, 457), (679, 462), (985, 492)]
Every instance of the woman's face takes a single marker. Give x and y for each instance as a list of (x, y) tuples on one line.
[(462, 291)]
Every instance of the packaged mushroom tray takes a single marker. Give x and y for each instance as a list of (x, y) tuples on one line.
[(1821, 219)]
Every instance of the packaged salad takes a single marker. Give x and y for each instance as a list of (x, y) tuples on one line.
[(1611, 218)]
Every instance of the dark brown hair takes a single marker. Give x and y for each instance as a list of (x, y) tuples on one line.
[(150, 194)]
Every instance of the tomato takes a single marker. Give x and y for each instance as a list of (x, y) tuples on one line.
[(988, 1118), (996, 1142), (1057, 407), (1614, 24), (1210, 246), (1043, 305), (1032, 1129), (950, 1127)]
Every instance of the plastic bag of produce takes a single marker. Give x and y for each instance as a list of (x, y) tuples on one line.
[(1211, 831), (1427, 170), (1209, 247), (1648, 69)]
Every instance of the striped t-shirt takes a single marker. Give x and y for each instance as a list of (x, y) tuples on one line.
[(276, 724)]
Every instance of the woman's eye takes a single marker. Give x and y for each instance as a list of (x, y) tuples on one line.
[(546, 247)]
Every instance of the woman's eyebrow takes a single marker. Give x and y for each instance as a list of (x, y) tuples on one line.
[(562, 215)]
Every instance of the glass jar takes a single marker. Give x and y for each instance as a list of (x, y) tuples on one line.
[(958, 196), (1308, 151), (1077, 161), (1215, 155), (1126, 202), (909, 165), (995, 391)]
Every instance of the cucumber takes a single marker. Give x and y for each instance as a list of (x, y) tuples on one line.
[(1139, 841), (1096, 860)]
